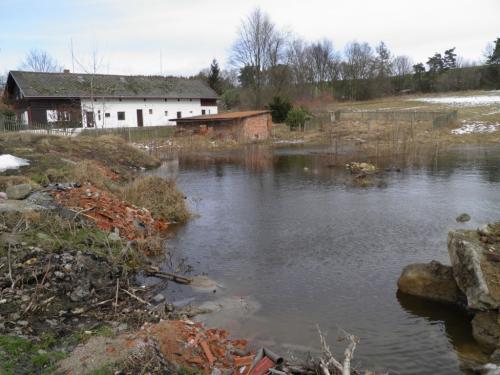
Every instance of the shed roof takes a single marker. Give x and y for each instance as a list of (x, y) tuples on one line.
[(227, 116), (76, 85)]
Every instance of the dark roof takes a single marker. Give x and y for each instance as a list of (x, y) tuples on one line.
[(76, 85), (227, 116)]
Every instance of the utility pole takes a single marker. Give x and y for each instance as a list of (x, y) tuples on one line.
[(72, 57), (161, 62)]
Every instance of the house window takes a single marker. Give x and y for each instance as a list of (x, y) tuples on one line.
[(121, 116), (99, 116), (203, 111), (107, 114), (144, 99), (150, 111), (51, 115), (166, 113), (190, 100), (178, 100), (119, 99), (64, 116), (179, 114)]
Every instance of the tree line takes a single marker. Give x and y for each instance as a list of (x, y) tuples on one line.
[(266, 62)]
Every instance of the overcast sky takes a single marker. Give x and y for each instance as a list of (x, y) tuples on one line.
[(129, 34)]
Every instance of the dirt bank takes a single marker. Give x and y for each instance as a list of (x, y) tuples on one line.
[(70, 247)]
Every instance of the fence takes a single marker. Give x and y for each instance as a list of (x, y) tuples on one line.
[(437, 118), (141, 134), (10, 124)]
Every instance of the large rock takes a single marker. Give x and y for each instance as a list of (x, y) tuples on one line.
[(430, 280), (476, 269), (486, 329), (18, 191)]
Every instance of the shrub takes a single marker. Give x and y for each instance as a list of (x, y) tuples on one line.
[(279, 109), (230, 98), (297, 118), (160, 196)]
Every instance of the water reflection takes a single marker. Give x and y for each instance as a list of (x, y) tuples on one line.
[(457, 327)]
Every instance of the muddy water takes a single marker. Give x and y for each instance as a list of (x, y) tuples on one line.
[(289, 233)]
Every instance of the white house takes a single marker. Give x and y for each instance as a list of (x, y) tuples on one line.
[(106, 101)]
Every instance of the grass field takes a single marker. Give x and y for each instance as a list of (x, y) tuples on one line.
[(472, 106)]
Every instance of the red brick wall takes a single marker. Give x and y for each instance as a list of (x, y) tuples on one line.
[(250, 128), (257, 127)]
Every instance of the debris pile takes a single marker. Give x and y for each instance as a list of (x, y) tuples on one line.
[(46, 292), (109, 213), (361, 168), (188, 344)]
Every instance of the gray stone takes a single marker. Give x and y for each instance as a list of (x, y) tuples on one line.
[(159, 298), (432, 280), (462, 218), (80, 293), (486, 329), (20, 191), (477, 276), (22, 323), (11, 205)]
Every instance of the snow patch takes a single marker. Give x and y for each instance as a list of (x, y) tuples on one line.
[(8, 161), (462, 101), (476, 127)]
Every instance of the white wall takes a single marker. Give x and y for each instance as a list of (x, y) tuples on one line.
[(188, 107)]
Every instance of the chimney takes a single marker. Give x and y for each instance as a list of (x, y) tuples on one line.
[(66, 71)]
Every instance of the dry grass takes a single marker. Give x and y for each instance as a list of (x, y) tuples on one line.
[(90, 171), (486, 113), (158, 195), (107, 149)]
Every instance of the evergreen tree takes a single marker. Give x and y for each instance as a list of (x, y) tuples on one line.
[(214, 78), (383, 61), (435, 63), (420, 81), (494, 57), (450, 59)]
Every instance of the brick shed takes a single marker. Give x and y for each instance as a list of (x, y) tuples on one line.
[(241, 126)]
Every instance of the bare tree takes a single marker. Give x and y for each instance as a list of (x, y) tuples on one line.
[(402, 65), (297, 58), (321, 56), (357, 65), (40, 61), (259, 46), (93, 66)]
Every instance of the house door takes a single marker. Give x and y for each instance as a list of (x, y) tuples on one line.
[(140, 119), (89, 117)]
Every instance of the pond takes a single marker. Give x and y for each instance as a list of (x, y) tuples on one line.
[(286, 230)]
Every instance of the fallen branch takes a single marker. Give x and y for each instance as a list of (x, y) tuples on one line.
[(329, 361), (137, 298), (349, 353), (169, 276), (12, 283), (117, 290)]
